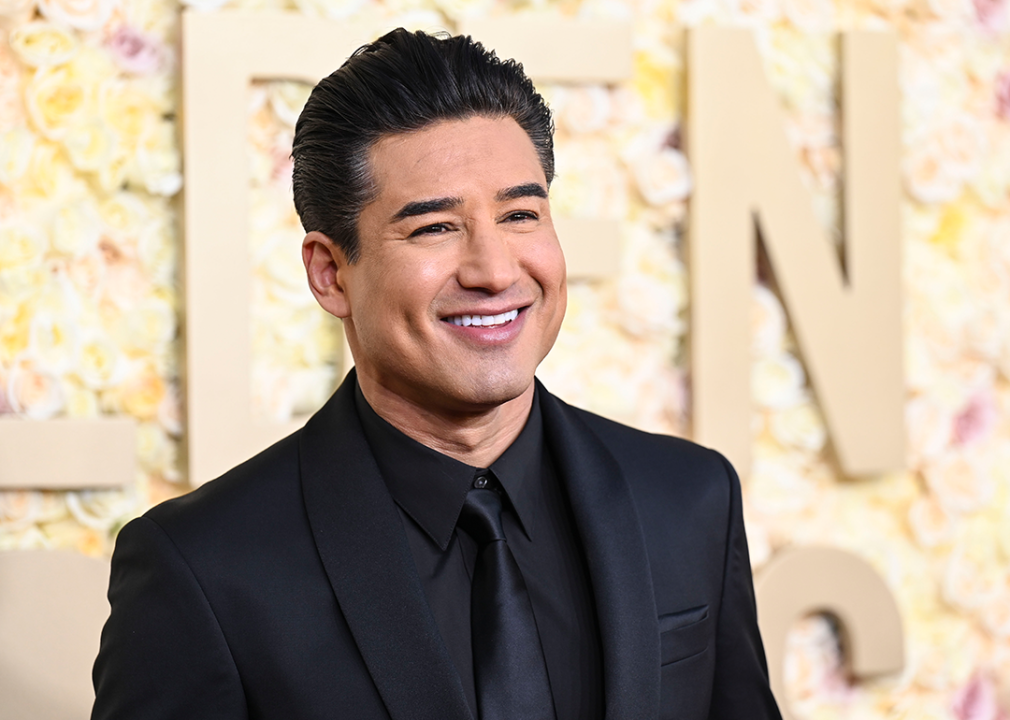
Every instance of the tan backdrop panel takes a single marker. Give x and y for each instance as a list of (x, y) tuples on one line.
[(847, 320), (67, 454), (222, 53), (801, 581), (52, 608), (558, 49)]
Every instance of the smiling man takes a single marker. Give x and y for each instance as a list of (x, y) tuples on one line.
[(444, 539)]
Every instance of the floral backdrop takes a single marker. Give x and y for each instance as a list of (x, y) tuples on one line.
[(89, 292)]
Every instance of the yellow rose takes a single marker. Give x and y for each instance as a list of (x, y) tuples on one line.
[(126, 110), (41, 44), (49, 175), (79, 14), (14, 333), (149, 327), (142, 394), (56, 100), (124, 214), (22, 248), (100, 364), (81, 402)]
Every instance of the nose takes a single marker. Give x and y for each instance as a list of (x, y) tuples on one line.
[(489, 262)]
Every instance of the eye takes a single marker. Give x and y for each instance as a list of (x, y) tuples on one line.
[(521, 215), (436, 229)]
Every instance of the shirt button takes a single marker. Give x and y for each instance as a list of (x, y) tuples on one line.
[(480, 482)]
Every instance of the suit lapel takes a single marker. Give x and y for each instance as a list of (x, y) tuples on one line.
[(364, 551), (615, 551)]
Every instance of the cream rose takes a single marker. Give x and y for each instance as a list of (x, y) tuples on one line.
[(22, 251), (970, 576), (810, 15), (661, 172), (149, 327), (42, 44), (960, 482), (287, 100), (19, 509), (589, 182), (157, 162), (157, 452), (800, 427), (35, 393), (90, 145), (778, 382), (16, 146), (768, 323), (101, 509), (585, 109), (84, 15), (931, 524)]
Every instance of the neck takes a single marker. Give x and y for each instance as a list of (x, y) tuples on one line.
[(475, 437)]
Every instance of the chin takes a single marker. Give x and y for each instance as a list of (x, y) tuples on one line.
[(491, 390)]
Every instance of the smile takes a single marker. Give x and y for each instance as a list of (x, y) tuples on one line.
[(483, 320)]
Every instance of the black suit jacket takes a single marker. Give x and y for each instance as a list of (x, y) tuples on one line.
[(286, 588)]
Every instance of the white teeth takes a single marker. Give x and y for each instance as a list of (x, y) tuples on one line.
[(484, 320)]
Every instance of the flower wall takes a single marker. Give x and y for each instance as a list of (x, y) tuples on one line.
[(89, 294)]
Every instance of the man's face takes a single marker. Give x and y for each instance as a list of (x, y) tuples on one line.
[(459, 289)]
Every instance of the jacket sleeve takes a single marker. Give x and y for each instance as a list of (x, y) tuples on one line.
[(163, 654), (741, 688)]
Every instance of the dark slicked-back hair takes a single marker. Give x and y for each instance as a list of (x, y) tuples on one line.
[(400, 83)]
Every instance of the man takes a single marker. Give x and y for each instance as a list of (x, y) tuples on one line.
[(444, 539)]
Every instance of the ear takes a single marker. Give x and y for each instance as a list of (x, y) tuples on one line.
[(326, 267)]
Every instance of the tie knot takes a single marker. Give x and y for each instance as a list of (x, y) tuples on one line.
[(480, 517)]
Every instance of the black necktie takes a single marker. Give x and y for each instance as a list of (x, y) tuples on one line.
[(508, 663)]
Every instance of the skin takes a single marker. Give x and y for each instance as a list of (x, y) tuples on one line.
[(460, 225)]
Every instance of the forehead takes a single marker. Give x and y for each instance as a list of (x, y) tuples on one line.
[(454, 157)]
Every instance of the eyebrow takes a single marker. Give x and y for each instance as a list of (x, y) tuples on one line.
[(521, 191), (423, 207)]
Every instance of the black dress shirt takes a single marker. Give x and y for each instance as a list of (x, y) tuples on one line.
[(429, 489)]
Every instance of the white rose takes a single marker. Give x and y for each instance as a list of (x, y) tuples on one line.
[(41, 44), (91, 145), (778, 382), (930, 426), (205, 5), (37, 394), (76, 228), (81, 402), (101, 509), (53, 339), (157, 160), (79, 14)]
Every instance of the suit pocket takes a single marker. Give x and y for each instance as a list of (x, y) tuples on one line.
[(683, 634)]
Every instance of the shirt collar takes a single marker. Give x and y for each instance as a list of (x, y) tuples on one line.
[(431, 487)]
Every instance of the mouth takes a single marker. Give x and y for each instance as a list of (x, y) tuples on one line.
[(483, 320)]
